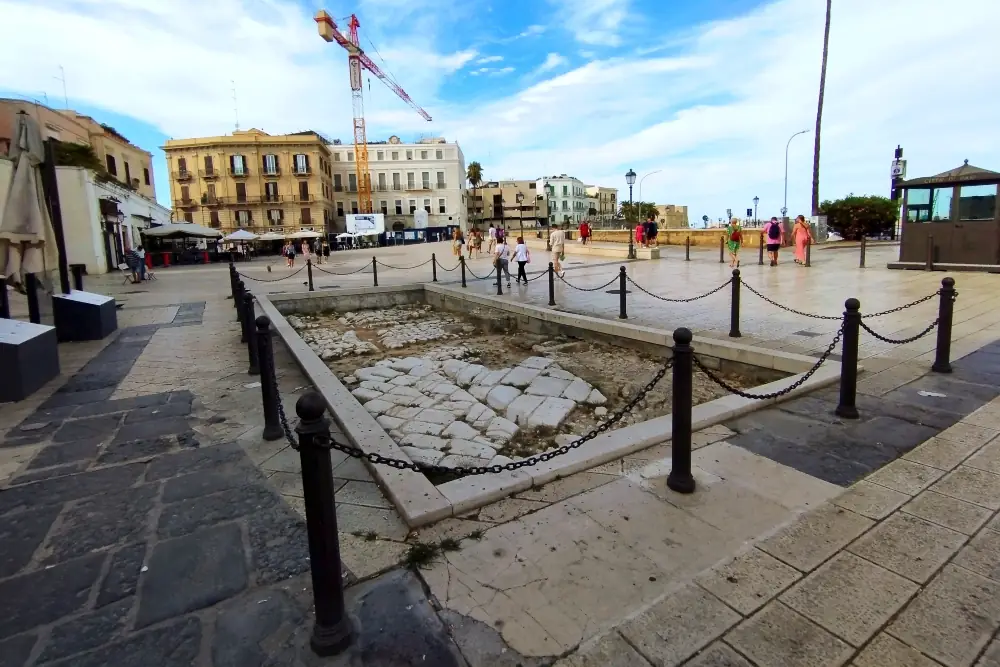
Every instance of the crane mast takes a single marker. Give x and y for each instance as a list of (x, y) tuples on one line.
[(357, 60)]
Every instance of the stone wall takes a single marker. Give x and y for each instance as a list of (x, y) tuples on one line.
[(699, 237)]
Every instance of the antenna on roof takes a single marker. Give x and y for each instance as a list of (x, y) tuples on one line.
[(236, 108), (61, 77)]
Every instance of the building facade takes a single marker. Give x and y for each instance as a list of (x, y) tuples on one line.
[(604, 201), (671, 216), (566, 197), (293, 182), (495, 203)]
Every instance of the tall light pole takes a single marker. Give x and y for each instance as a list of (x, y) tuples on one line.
[(644, 178), (630, 179), (784, 207), (520, 211), (756, 200)]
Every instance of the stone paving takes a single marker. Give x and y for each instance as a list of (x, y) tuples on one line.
[(102, 563)]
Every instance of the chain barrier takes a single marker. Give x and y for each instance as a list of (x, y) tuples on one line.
[(349, 273), (480, 277), (881, 313), (399, 464), (588, 289), (901, 341), (270, 280), (540, 275), (404, 268), (441, 266), (904, 307), (688, 300), (774, 394)]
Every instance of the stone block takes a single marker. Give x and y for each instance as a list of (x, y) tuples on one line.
[(470, 373), (423, 371), (480, 392), (468, 448), (539, 363), (122, 578), (886, 651), (522, 406), (29, 355), (435, 416), (188, 516), (390, 423), (578, 391), (520, 376), (501, 425), (815, 536), (425, 456), (459, 430), (420, 427), (948, 512), (21, 534), (778, 637), (452, 367), (444, 389), (547, 386), (906, 476), (174, 645), (719, 655), (87, 631), (501, 396), (80, 316), (609, 651), (749, 581), (421, 441), (364, 395), (971, 485), (102, 521), (871, 500), (64, 489), (404, 381), (941, 453), (377, 406), (596, 398), (54, 592), (493, 377), (909, 545), (279, 545), (551, 412), (406, 364), (409, 392), (461, 396), (457, 461), (981, 555), (485, 417)]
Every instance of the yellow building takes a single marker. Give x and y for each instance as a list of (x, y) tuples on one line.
[(253, 180), (495, 202), (671, 216), (604, 201)]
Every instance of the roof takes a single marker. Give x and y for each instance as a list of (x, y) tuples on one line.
[(966, 173)]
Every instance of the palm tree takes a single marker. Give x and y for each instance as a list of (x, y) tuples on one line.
[(474, 173), (819, 110)]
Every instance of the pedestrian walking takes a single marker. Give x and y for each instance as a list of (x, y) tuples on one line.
[(773, 234), (802, 236), (584, 232), (522, 256), (492, 244), (640, 235), (502, 259), (456, 242), (734, 241), (289, 253), (557, 241)]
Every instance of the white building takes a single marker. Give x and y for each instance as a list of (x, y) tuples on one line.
[(604, 201), (567, 198), (428, 175)]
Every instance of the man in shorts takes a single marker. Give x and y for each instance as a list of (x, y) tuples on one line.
[(491, 246), (557, 241)]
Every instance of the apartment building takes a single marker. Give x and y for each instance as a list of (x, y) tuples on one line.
[(567, 198), (496, 203), (125, 162), (603, 200)]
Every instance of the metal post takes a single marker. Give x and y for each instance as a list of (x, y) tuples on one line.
[(809, 246), (77, 271), (31, 287), (233, 279), (760, 250), (687, 249), (622, 279), (734, 306), (4, 301), (309, 272), (268, 381), (434, 268), (929, 266), (332, 630), (50, 188), (864, 244), (680, 478), (375, 271), (552, 285), (722, 249), (849, 361), (461, 261), (240, 293), (631, 232), (248, 319), (946, 309), (499, 284)]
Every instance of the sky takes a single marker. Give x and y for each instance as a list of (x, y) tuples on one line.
[(705, 94)]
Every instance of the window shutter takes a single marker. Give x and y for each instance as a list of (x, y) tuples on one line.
[(306, 158), (232, 163)]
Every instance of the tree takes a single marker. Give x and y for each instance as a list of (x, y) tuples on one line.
[(819, 109), (854, 216), (474, 173), (76, 155), (639, 210)]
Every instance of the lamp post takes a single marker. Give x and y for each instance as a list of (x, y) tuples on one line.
[(756, 200), (630, 179), (519, 197), (644, 178), (784, 207)]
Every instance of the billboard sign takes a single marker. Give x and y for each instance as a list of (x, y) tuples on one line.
[(420, 219), (365, 224)]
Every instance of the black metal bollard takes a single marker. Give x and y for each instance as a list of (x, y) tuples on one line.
[(734, 306), (760, 250), (680, 478), (552, 285), (309, 272), (77, 270), (248, 318), (809, 247), (4, 301), (461, 260), (233, 279), (375, 271), (499, 284), (332, 630), (240, 293), (31, 287), (946, 310), (622, 281), (864, 244), (847, 407), (687, 249), (722, 249), (434, 268), (929, 263), (268, 381)]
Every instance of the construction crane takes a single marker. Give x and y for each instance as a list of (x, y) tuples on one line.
[(356, 60)]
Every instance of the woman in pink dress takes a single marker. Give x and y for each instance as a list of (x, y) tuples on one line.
[(639, 236), (802, 236)]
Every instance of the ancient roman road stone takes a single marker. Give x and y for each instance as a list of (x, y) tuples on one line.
[(102, 521), (459, 430), (122, 578), (66, 452), (21, 534), (424, 456), (174, 645), (279, 544), (187, 516), (536, 362), (211, 563), (520, 376), (501, 396), (551, 412), (88, 631), (547, 386), (63, 489), (577, 391), (54, 592), (522, 406)]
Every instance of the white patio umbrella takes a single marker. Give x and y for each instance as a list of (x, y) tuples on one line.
[(270, 236), (26, 234), (241, 235), (184, 229), (345, 235), (304, 234)]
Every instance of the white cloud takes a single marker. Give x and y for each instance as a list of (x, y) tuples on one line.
[(595, 22), (489, 59), (531, 31), (552, 61)]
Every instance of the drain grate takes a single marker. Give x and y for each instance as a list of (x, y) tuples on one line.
[(807, 334), (618, 291)]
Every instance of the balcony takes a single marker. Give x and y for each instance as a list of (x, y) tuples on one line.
[(183, 175), (275, 199), (440, 186), (397, 186), (209, 174), (239, 173), (382, 187), (211, 201), (306, 222), (352, 188), (304, 198), (338, 188), (273, 173), (240, 201), (185, 203), (302, 171)]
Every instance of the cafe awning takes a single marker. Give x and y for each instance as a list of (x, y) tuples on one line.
[(181, 230)]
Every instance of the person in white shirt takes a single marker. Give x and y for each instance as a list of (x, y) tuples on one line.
[(141, 252), (502, 261), (557, 241), (522, 257), (493, 239)]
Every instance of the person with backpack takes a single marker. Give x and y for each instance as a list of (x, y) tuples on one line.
[(502, 259), (773, 234), (734, 241)]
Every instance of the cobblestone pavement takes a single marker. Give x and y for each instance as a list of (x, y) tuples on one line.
[(144, 521)]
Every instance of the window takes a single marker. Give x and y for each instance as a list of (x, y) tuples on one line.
[(423, 155), (381, 182), (409, 155), (425, 179), (413, 206), (336, 157), (113, 168), (271, 191), (145, 175), (565, 190), (271, 165), (185, 193), (243, 217), (941, 203), (301, 163), (338, 184), (306, 217), (213, 218), (354, 207), (395, 155), (188, 216), (383, 206), (340, 208), (395, 182), (427, 205), (128, 173), (977, 202), (410, 182), (441, 206), (352, 182), (565, 206), (379, 155), (438, 155), (440, 180), (241, 192), (350, 156), (211, 192), (303, 190), (238, 165), (275, 215), (399, 207)]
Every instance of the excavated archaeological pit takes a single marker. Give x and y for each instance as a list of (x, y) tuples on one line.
[(452, 392)]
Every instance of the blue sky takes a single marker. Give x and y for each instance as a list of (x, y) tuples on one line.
[(705, 93)]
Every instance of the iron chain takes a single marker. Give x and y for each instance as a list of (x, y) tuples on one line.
[(441, 266), (900, 341), (334, 273), (480, 277), (405, 268), (774, 394), (272, 280), (688, 300), (791, 310), (588, 289), (909, 305)]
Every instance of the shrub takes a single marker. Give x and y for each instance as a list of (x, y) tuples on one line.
[(854, 216)]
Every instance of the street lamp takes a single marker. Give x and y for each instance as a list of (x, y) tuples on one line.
[(630, 179), (519, 197), (644, 178), (784, 207), (756, 200)]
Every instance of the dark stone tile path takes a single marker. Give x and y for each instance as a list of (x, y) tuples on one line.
[(805, 434)]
